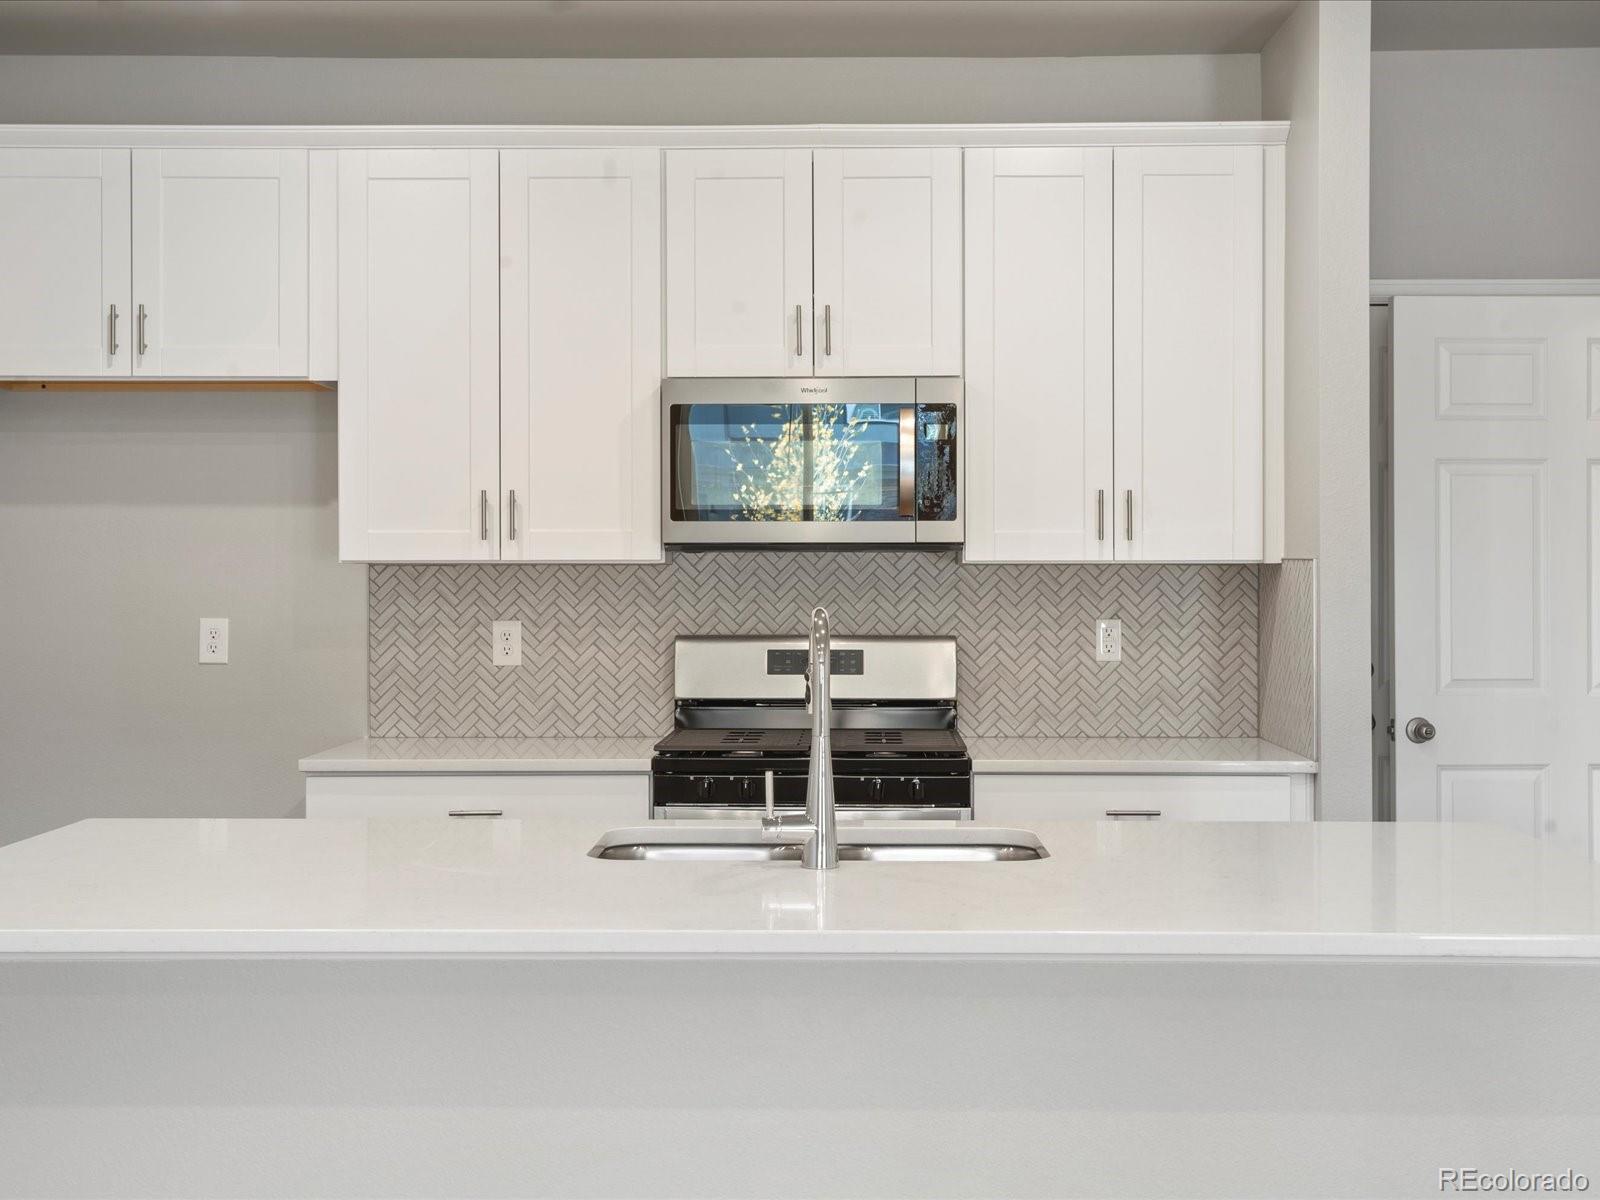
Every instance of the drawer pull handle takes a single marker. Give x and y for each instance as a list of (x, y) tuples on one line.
[(1133, 814), (477, 812)]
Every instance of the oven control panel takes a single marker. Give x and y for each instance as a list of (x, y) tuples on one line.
[(793, 662)]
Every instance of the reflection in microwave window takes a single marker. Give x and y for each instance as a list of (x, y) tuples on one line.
[(800, 462)]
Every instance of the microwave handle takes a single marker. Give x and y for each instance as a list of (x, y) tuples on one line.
[(908, 460)]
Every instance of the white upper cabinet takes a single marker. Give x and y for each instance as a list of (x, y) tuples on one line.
[(1038, 353), (419, 357), (888, 261), (886, 299), (580, 354), (64, 264), (1188, 364), (219, 263), (738, 262)]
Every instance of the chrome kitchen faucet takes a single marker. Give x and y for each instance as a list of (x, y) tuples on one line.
[(821, 852)]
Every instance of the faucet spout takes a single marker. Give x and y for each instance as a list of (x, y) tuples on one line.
[(821, 850)]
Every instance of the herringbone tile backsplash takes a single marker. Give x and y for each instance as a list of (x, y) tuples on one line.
[(597, 657)]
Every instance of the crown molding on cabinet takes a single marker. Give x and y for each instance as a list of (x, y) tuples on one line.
[(1135, 133), (1385, 290)]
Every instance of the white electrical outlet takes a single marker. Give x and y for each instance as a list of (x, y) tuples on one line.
[(507, 648), (213, 639), (1107, 640)]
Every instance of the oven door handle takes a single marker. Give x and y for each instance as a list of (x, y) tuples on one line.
[(908, 460)]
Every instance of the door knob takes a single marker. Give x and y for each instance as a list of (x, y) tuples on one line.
[(1420, 729)]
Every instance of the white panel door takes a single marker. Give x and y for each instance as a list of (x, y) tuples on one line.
[(64, 263), (888, 261), (1496, 552), (1038, 334), (1188, 308), (419, 360), (738, 262), (580, 354), (219, 263)]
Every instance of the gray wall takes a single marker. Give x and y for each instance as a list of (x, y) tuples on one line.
[(1486, 164), (108, 89), (1315, 73), (125, 517)]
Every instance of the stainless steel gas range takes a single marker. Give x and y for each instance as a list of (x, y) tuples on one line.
[(740, 729)]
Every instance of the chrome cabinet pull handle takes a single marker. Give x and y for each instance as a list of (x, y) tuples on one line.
[(483, 515), (1100, 515), (827, 329), (477, 812), (908, 462), (1134, 814), (511, 514), (1127, 500), (143, 346), (799, 317), (113, 331)]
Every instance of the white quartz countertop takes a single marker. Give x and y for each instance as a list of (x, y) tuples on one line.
[(505, 888), (1135, 756), (1132, 756)]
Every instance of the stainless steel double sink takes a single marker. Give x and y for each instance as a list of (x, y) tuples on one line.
[(697, 842)]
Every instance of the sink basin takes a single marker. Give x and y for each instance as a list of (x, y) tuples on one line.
[(746, 844)]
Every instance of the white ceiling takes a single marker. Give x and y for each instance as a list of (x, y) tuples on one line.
[(1484, 24), (638, 28)]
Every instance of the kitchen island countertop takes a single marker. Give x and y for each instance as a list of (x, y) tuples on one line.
[(506, 888)]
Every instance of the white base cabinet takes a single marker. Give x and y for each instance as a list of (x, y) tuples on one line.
[(610, 800), (1005, 799)]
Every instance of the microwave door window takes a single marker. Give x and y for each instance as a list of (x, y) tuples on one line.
[(794, 462), (854, 455)]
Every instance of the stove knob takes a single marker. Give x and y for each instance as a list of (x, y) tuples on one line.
[(875, 791), (916, 791), (702, 788), (747, 789)]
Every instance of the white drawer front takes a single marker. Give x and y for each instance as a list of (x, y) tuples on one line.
[(1014, 799), (618, 799)]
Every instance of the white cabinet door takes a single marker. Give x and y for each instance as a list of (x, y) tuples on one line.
[(580, 354), (738, 262), (1038, 333), (888, 261), (1188, 312), (419, 355), (1023, 799), (64, 263), (219, 263)]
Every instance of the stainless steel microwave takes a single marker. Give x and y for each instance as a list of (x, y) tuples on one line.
[(811, 461)]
